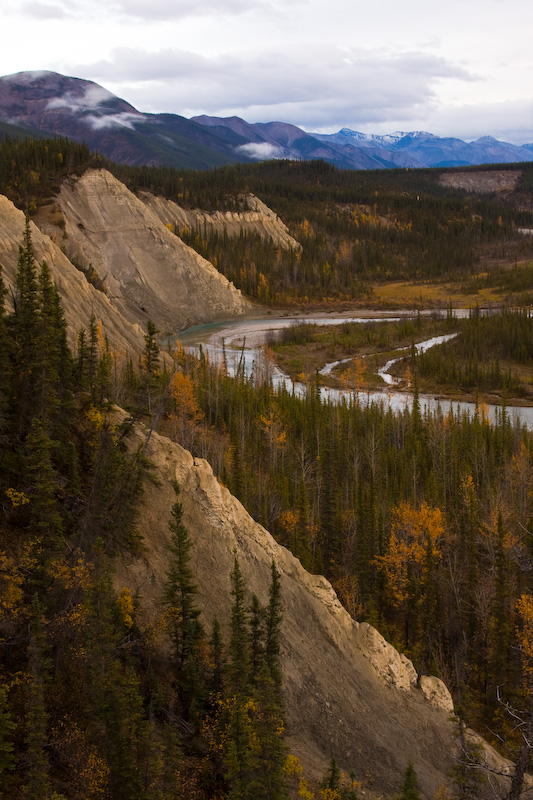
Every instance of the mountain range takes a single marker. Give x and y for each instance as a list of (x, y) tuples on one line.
[(43, 103)]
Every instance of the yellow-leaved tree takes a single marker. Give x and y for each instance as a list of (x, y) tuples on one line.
[(187, 414), (409, 566)]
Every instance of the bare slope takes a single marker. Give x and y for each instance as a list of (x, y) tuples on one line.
[(482, 182), (149, 272), (257, 218), (79, 299), (348, 693)]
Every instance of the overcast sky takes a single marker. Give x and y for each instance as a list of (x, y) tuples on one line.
[(461, 67)]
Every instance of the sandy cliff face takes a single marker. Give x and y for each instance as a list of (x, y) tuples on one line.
[(348, 693), (149, 272), (79, 298), (258, 218)]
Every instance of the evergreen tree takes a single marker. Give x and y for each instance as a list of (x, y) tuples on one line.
[(267, 749), (217, 658), (26, 331), (237, 750), (273, 618), (37, 784), (239, 662), (332, 777), (150, 363), (43, 485), (104, 380), (114, 705), (182, 615), (51, 379), (410, 790), (256, 638)]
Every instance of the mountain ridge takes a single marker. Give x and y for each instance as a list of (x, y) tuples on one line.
[(48, 102)]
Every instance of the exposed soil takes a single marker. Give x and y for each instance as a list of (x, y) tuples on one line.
[(504, 180)]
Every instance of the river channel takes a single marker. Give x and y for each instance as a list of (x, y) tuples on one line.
[(241, 343)]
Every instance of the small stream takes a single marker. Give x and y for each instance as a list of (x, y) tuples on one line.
[(241, 341)]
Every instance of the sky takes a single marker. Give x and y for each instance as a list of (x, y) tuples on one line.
[(459, 68)]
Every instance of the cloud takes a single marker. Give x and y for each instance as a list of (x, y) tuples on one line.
[(93, 97), (139, 10), (91, 101), (318, 87), (29, 76), (179, 9), (124, 120), (508, 121), (315, 85), (44, 11), (260, 150)]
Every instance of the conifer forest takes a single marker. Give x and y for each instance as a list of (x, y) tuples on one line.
[(422, 521)]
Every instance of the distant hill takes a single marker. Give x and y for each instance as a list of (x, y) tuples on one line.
[(84, 111), (48, 102)]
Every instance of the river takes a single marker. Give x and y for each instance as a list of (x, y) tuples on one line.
[(242, 343)]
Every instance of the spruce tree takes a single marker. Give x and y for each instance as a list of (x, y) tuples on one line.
[(217, 658), (116, 721), (239, 663), (150, 364), (268, 752), (37, 783), (256, 638), (26, 332), (182, 614), (51, 340), (273, 618), (43, 485), (332, 777), (410, 790)]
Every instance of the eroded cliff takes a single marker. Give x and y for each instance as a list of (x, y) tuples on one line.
[(348, 693), (148, 271), (257, 218), (80, 300)]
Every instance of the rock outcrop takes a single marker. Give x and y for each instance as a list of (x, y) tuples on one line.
[(257, 218), (436, 692), (347, 692), (79, 298), (148, 271), (482, 182)]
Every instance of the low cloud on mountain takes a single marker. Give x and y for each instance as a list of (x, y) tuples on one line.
[(93, 97), (260, 150), (340, 87)]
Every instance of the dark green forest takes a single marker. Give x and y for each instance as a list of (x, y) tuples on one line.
[(492, 353)]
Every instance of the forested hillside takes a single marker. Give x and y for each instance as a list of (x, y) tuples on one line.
[(422, 522), (94, 704), (358, 230)]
